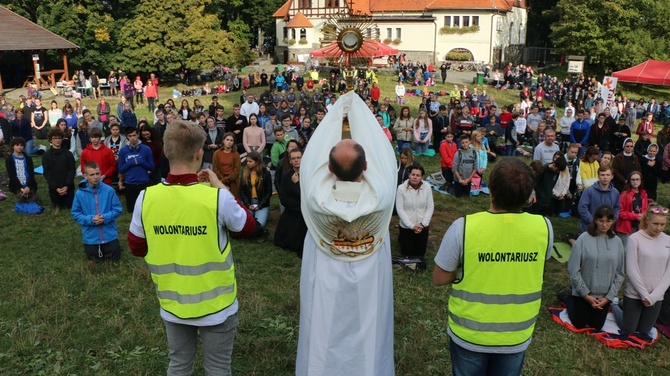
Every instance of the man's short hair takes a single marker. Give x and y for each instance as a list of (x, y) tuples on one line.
[(352, 172), (278, 129), (95, 133), (182, 140), (285, 116), (511, 183), (55, 132), (17, 141), (605, 168), (236, 105), (464, 137), (91, 164), (86, 111)]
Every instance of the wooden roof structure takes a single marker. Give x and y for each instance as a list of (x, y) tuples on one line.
[(21, 34)]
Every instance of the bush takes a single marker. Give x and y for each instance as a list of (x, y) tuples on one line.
[(387, 41), (396, 41), (459, 30), (291, 42), (302, 41), (458, 56)]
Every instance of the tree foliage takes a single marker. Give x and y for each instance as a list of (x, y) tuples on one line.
[(612, 33), (151, 35)]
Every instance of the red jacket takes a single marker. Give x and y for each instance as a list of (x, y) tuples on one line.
[(626, 216), (375, 93), (104, 157), (447, 152)]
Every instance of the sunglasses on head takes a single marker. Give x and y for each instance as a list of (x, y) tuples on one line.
[(659, 210)]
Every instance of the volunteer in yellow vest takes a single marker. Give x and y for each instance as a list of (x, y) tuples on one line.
[(181, 229), (495, 263)]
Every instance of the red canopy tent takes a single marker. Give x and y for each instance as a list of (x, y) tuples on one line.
[(652, 72), (370, 48)]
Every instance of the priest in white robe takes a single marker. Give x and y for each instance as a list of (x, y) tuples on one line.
[(346, 284)]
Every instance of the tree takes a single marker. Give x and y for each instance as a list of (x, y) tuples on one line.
[(612, 33), (167, 35)]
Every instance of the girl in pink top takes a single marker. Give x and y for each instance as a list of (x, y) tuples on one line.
[(253, 137)]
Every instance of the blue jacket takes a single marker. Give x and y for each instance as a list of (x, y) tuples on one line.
[(135, 163), (89, 201), (594, 196), (579, 132), (129, 119)]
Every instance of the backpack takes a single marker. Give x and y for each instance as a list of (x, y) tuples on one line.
[(28, 208)]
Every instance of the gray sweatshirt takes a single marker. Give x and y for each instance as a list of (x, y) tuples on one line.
[(465, 161), (596, 266)]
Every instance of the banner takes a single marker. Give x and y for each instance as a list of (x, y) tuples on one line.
[(608, 93)]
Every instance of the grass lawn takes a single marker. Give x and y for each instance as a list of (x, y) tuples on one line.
[(60, 318)]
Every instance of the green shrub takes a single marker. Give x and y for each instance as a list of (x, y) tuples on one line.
[(459, 30)]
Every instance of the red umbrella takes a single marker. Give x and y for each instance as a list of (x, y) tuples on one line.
[(370, 48)]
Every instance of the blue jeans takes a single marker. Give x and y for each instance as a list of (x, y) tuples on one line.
[(30, 149), (465, 362), (261, 215), (404, 145), (421, 148)]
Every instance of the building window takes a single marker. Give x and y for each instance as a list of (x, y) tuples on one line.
[(466, 21), (389, 32), (303, 33), (332, 3), (285, 33), (511, 33), (521, 34), (447, 21), (292, 33), (475, 20), (305, 4), (398, 33), (457, 21)]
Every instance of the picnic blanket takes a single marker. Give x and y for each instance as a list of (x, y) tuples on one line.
[(436, 181), (609, 335)]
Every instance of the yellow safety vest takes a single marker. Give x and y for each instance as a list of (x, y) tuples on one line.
[(497, 300), (193, 276)]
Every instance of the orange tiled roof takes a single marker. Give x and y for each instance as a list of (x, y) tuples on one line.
[(360, 7), (420, 5), (283, 11), (299, 21)]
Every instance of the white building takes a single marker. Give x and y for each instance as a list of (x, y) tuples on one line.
[(426, 30)]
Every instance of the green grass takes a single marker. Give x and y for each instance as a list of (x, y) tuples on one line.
[(59, 318)]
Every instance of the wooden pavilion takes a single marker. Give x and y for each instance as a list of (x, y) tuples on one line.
[(21, 34)]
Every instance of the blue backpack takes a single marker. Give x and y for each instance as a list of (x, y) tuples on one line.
[(28, 208)]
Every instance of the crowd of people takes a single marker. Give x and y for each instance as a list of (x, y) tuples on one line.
[(585, 163)]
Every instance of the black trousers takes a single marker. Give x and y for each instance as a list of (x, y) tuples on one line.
[(103, 252), (412, 244), (131, 192), (582, 314), (64, 201)]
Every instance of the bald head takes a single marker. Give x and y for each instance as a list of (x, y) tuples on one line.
[(347, 160)]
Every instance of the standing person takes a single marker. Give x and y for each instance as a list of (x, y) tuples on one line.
[(403, 129), (495, 300), (400, 93), (59, 171), (227, 165), (98, 152), (448, 150), (624, 163), (291, 228), (423, 129), (346, 193), (194, 275), (151, 92), (443, 71), (236, 124), (414, 205), (600, 193), (95, 84), (150, 138), (633, 202), (139, 90), (579, 132), (103, 110), (464, 167), (55, 113), (39, 119), (545, 151), (136, 163), (648, 272), (212, 142), (96, 209), (253, 136), (596, 269)]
